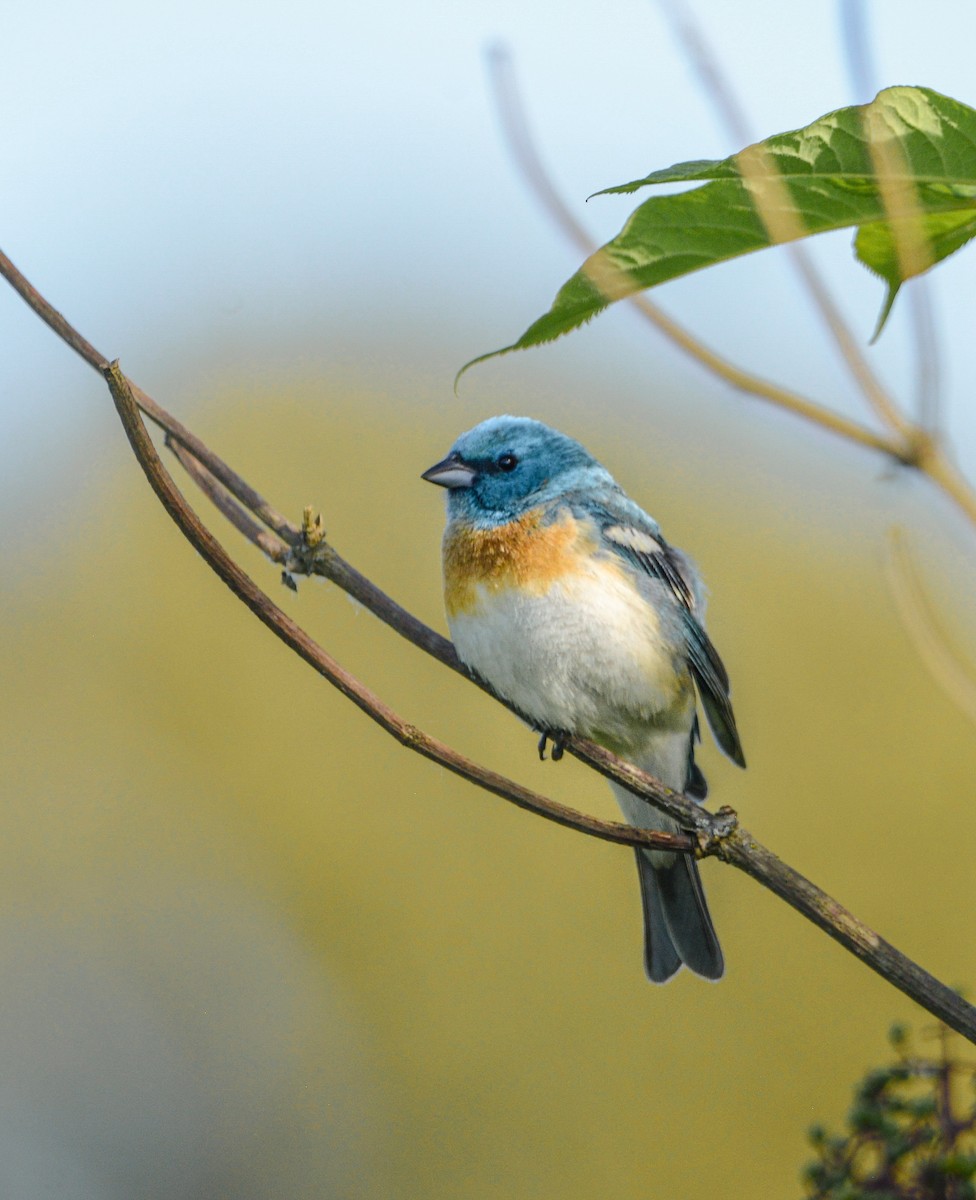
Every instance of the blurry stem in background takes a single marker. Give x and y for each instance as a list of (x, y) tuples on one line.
[(856, 40), (718, 88), (909, 444), (916, 614), (707, 834)]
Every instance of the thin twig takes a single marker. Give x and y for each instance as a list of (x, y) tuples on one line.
[(742, 851), (708, 67), (71, 337), (224, 502), (928, 356), (933, 462), (324, 560), (856, 40)]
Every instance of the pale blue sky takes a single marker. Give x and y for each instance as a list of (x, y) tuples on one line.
[(183, 177)]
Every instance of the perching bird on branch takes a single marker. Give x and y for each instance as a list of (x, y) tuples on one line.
[(564, 596)]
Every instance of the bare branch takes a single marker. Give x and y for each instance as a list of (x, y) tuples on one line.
[(742, 851), (71, 337), (217, 494), (708, 67), (928, 356)]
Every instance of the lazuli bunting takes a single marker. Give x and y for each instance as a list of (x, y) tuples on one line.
[(562, 594)]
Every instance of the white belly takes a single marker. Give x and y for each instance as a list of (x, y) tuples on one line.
[(587, 656)]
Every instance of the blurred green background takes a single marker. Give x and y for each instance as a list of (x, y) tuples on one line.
[(248, 946)]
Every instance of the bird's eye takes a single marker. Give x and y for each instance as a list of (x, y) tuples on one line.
[(507, 462)]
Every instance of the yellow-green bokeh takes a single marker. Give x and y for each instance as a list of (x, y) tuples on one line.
[(243, 931)]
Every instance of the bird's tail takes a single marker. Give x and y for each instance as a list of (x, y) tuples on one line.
[(677, 925)]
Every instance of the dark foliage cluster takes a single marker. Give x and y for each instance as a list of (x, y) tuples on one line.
[(911, 1131)]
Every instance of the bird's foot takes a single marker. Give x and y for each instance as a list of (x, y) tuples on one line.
[(558, 738)]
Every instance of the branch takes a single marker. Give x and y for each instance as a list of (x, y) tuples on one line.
[(743, 851), (81, 346), (224, 502), (709, 834)]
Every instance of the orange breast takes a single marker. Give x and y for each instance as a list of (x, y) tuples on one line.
[(524, 553)]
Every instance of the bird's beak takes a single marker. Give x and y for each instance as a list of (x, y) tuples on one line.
[(451, 472)]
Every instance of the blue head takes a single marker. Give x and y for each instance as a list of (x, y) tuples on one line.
[(507, 465)]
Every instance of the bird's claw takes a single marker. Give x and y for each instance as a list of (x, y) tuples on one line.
[(558, 740)]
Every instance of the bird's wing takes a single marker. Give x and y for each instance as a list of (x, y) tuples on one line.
[(629, 533)]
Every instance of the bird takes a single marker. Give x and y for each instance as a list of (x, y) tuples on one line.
[(563, 596)]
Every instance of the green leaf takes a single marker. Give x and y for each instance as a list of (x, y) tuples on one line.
[(876, 245), (935, 134), (902, 168)]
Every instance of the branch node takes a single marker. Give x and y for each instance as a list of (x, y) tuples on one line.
[(722, 825), (920, 448), (311, 550), (313, 531), (411, 737)]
